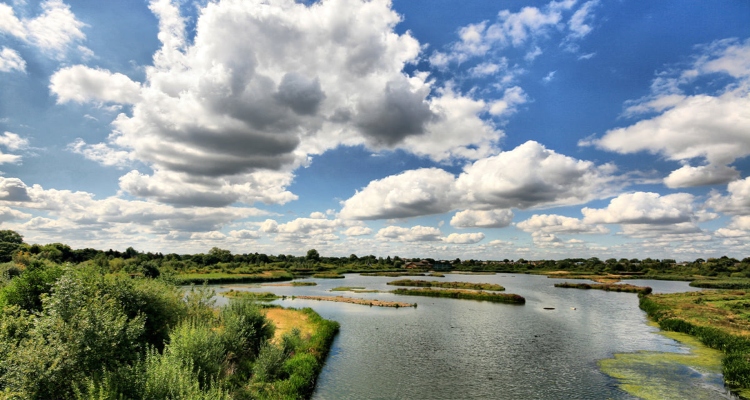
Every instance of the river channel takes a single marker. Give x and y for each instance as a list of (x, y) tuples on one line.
[(463, 349)]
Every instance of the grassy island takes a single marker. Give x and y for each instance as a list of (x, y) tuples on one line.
[(355, 289), (719, 319), (609, 287), (296, 283), (258, 296), (364, 302), (328, 275), (464, 294), (448, 285), (392, 274)]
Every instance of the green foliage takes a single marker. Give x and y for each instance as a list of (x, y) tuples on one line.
[(313, 255), (722, 284), (195, 343), (245, 329), (10, 241), (74, 337), (27, 289), (75, 332), (200, 303)]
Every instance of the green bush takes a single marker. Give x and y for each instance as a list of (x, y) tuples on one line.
[(196, 343), (245, 328), (26, 290), (74, 337)]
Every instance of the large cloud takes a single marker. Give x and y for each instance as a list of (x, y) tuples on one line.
[(643, 208), (410, 194), (417, 233), (529, 176), (80, 84), (312, 78), (736, 202), (551, 223), (81, 211), (532, 176), (712, 127), (482, 219)]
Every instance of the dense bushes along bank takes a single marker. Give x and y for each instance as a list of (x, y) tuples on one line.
[(464, 294), (712, 318), (75, 333)]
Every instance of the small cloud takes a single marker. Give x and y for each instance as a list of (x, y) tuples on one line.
[(10, 60), (549, 77)]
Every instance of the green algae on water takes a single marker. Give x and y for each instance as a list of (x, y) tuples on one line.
[(661, 375)]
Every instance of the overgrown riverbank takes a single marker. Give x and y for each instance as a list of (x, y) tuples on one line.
[(719, 319), (75, 333)]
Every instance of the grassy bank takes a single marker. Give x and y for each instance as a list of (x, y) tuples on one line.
[(719, 319), (214, 278), (448, 285), (608, 287), (721, 283), (464, 295), (297, 354)]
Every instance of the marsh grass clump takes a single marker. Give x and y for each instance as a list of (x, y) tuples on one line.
[(329, 275), (448, 285), (242, 294), (464, 294), (609, 287)]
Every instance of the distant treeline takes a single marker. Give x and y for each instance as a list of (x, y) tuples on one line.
[(217, 260)]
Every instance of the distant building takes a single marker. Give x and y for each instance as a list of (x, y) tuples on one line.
[(418, 265)]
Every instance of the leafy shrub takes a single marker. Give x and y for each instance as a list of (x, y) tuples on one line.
[(26, 290), (194, 343), (245, 328)]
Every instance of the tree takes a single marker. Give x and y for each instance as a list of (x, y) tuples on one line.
[(313, 255), (9, 242)]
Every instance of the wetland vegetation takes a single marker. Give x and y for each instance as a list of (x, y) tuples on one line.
[(608, 287), (143, 332), (448, 285), (464, 295), (363, 302), (719, 319)]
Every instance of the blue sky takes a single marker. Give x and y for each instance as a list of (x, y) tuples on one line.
[(443, 129)]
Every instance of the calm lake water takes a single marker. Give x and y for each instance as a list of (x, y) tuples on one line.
[(461, 349)]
